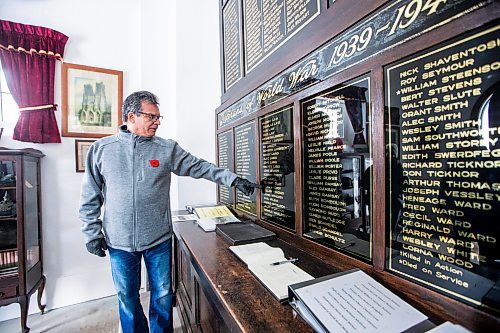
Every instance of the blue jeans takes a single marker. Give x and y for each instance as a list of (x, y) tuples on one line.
[(126, 270)]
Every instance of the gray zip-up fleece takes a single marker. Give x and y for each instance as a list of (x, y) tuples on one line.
[(130, 176)]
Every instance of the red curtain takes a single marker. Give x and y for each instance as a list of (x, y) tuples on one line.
[(28, 55)]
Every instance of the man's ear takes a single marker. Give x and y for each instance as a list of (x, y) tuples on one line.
[(131, 117)]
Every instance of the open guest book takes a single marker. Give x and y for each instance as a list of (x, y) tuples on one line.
[(352, 301), (269, 265)]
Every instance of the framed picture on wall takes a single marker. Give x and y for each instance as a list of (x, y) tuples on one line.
[(81, 149), (91, 101)]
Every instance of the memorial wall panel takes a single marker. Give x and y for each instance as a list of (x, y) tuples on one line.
[(226, 160), (232, 43), (337, 168), (277, 168), (443, 159), (269, 23), (246, 164), (417, 208)]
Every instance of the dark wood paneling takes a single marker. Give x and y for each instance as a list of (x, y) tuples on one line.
[(437, 306), (206, 317), (186, 276), (378, 180)]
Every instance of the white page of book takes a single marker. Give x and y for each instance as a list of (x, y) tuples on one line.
[(355, 302), (258, 252), (277, 278)]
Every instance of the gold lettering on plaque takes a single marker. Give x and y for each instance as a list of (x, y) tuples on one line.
[(429, 227), (417, 249), (455, 261), (424, 243)]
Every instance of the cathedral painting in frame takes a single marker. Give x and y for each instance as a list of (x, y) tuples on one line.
[(91, 99)]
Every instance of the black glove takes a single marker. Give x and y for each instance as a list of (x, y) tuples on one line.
[(245, 186), (97, 247)]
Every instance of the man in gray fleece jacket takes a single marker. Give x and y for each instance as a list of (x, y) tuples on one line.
[(129, 174)]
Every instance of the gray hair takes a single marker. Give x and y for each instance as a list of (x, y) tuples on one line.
[(133, 103)]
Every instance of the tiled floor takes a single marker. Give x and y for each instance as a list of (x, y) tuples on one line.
[(98, 316)]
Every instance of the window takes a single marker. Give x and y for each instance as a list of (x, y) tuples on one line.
[(9, 112)]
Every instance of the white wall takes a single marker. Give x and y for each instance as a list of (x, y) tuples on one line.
[(168, 47), (158, 66), (198, 90)]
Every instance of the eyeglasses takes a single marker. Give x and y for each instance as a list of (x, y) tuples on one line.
[(151, 116)]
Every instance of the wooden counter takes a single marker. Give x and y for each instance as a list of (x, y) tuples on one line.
[(216, 292)]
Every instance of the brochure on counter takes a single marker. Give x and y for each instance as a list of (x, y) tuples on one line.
[(209, 217)]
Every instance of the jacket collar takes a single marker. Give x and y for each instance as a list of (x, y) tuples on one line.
[(125, 135)]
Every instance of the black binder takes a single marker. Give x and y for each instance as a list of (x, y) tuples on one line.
[(303, 310), (243, 233)]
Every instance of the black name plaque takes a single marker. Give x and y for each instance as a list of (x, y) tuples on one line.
[(231, 20), (226, 161), (270, 23), (277, 168), (444, 167), (246, 164)]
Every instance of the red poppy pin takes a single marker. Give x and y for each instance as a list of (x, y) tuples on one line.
[(154, 163)]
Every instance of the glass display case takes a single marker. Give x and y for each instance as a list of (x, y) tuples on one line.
[(21, 269)]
